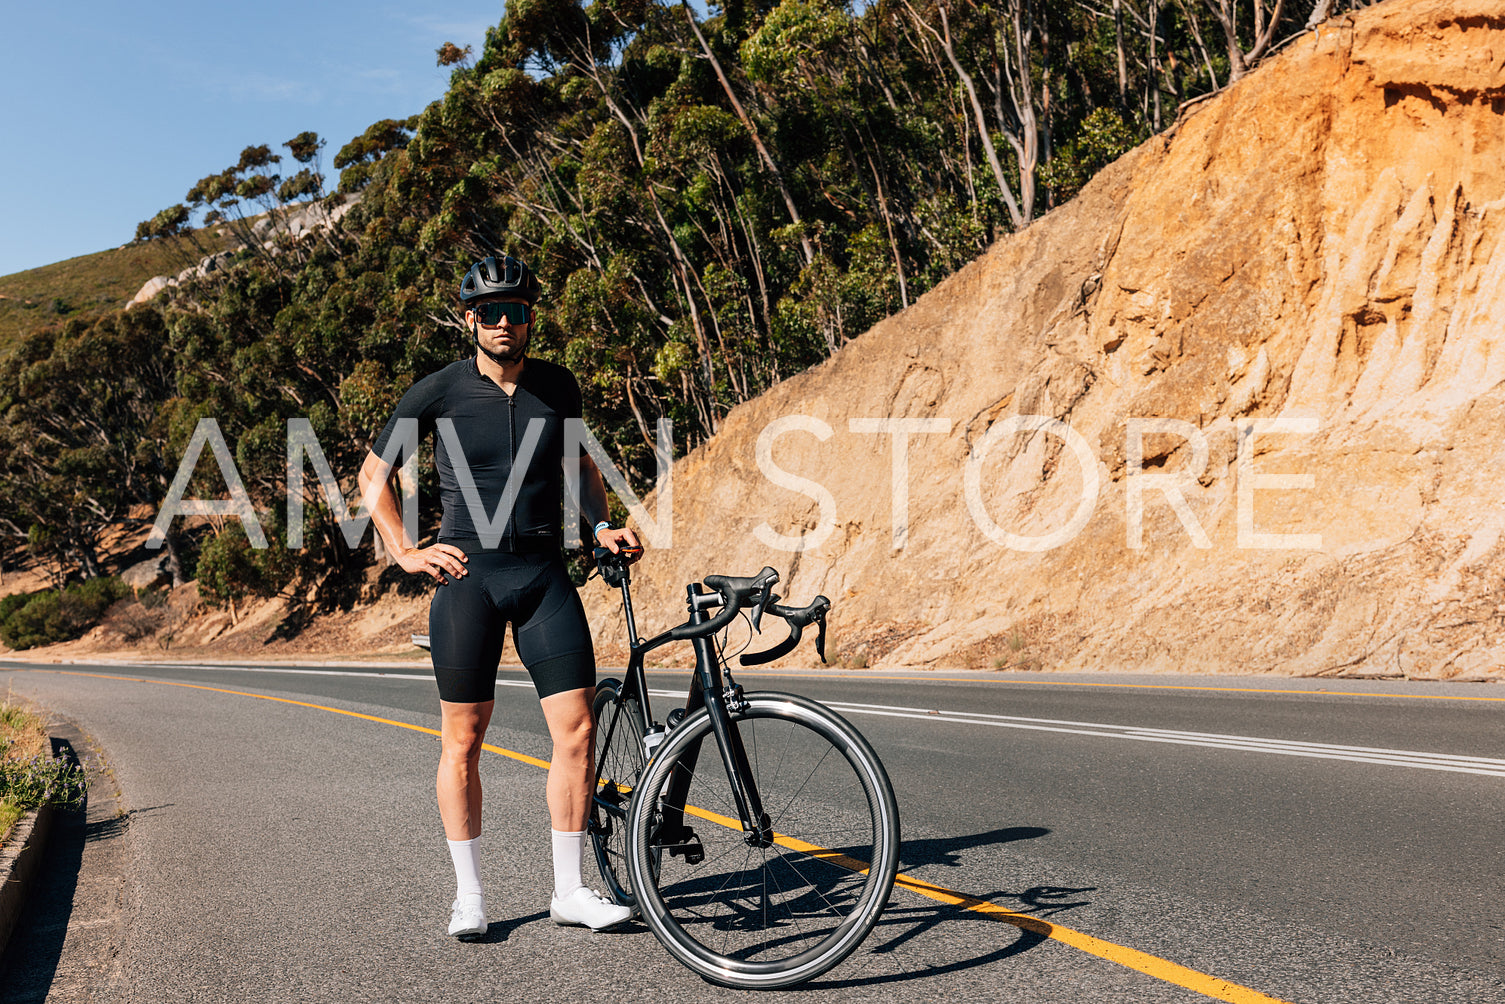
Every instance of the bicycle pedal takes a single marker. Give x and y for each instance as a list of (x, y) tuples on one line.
[(693, 851), (681, 841)]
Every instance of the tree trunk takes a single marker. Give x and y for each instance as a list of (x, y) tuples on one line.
[(1017, 218), (1154, 73), (85, 554), (1123, 62), (174, 559), (747, 123)]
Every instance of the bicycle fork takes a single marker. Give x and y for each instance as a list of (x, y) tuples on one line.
[(757, 828)]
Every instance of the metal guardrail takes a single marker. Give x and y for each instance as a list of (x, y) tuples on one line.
[(421, 641)]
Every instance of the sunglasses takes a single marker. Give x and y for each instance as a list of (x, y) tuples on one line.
[(491, 314)]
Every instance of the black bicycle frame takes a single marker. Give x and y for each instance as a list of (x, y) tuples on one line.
[(708, 690)]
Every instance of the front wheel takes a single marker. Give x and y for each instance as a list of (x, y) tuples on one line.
[(753, 913), (619, 762)]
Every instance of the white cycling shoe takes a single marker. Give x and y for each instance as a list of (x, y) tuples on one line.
[(467, 916), (587, 908)]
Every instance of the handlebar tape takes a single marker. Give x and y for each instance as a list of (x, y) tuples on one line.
[(799, 618), (734, 591)]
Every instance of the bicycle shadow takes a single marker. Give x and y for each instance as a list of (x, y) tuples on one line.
[(901, 924), (947, 850), (914, 921), (903, 920)]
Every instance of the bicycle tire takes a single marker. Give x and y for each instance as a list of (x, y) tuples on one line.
[(762, 917), (619, 763)]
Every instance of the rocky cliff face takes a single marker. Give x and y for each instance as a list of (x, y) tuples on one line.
[(1240, 407)]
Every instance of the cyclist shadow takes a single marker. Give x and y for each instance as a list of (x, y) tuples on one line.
[(900, 924), (498, 931), (947, 850)]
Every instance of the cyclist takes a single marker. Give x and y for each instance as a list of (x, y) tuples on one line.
[(489, 414)]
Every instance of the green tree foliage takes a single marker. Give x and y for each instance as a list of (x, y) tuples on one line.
[(230, 569), (168, 223), (713, 204), (80, 444), (52, 615), (357, 159)]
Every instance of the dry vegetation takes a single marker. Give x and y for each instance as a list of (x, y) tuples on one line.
[(23, 736), (89, 286)]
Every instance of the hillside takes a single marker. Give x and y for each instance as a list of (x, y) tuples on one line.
[(1316, 245), (88, 286)]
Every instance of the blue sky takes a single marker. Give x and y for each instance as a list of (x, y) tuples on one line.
[(112, 111)]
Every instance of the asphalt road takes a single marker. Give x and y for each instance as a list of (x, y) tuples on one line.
[(1342, 846)]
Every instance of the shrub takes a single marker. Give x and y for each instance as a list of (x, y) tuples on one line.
[(10, 604), (28, 776), (137, 617), (230, 569), (48, 617)]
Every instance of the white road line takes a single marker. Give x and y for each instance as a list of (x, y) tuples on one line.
[(1394, 758), (1453, 763), (298, 672)]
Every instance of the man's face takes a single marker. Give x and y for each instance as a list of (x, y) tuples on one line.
[(502, 337)]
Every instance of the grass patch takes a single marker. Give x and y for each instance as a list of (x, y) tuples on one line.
[(10, 815), (29, 774), (90, 285)]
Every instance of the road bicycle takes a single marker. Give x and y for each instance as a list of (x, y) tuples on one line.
[(768, 863)]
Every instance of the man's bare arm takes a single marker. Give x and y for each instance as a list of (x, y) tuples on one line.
[(593, 506), (436, 561)]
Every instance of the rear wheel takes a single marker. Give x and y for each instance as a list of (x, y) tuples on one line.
[(758, 913), (619, 763)]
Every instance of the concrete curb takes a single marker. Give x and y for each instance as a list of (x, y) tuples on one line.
[(19, 864)]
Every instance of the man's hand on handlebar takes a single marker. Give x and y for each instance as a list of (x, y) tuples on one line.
[(621, 541)]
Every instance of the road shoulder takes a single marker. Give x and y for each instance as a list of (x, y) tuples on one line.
[(69, 940)]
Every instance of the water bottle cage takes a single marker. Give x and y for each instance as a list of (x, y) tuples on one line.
[(652, 740)]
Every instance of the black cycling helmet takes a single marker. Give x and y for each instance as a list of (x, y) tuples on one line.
[(504, 276)]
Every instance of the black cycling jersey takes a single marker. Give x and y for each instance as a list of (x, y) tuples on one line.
[(521, 578), (491, 430)]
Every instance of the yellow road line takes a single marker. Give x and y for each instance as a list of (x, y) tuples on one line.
[(511, 754), (1150, 965)]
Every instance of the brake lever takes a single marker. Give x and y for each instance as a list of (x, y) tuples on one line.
[(820, 640), (764, 599)]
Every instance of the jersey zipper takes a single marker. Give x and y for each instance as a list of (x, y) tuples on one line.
[(512, 466)]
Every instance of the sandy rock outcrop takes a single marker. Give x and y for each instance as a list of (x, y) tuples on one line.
[(1240, 407), (151, 288), (297, 222)]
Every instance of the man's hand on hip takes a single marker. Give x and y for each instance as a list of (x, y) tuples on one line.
[(436, 561)]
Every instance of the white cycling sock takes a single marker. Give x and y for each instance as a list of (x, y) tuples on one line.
[(569, 849), (464, 853)]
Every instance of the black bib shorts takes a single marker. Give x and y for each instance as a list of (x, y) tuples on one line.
[(468, 621)]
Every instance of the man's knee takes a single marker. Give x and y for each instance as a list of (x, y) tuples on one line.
[(575, 737), (570, 724), (462, 733), (462, 746)]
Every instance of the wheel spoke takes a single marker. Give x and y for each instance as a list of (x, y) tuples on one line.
[(619, 761), (781, 915)]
